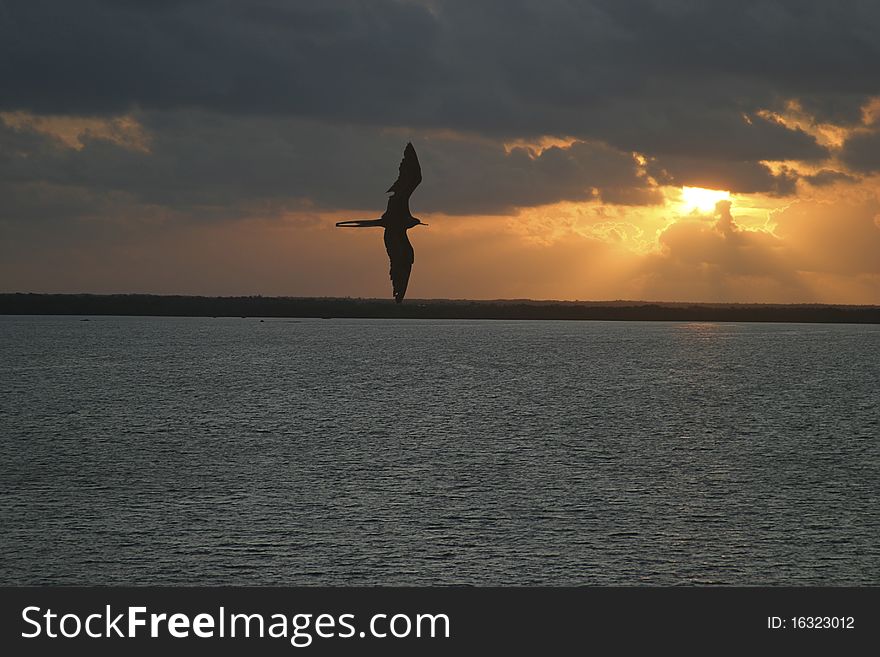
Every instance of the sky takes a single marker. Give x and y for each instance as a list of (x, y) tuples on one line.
[(664, 150)]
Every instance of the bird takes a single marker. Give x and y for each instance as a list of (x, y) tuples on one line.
[(396, 220)]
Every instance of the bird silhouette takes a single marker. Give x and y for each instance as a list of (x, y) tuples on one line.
[(397, 220)]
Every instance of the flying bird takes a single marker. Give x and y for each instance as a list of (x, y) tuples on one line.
[(396, 220)]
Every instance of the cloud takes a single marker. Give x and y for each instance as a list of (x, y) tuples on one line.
[(734, 176), (825, 177), (722, 245), (295, 92), (720, 260), (73, 131), (209, 164), (841, 237), (648, 76), (861, 152), (810, 252)]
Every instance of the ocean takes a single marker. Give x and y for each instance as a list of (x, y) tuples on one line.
[(147, 450)]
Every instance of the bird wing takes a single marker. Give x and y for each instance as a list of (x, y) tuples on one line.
[(401, 254), (408, 178)]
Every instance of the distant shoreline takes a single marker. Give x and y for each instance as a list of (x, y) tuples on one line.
[(257, 306)]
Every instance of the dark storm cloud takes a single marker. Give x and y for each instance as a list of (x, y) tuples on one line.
[(103, 56), (632, 73), (837, 108), (249, 101), (861, 152), (211, 164), (743, 176), (828, 177), (700, 130)]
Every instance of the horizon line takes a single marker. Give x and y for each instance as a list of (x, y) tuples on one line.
[(416, 300)]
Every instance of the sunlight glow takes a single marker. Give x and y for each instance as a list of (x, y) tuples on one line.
[(704, 200), (536, 147)]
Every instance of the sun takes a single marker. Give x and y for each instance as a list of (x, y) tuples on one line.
[(699, 198)]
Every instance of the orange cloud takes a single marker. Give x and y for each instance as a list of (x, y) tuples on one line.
[(74, 131)]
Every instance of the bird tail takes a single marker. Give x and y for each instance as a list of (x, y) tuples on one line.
[(359, 223)]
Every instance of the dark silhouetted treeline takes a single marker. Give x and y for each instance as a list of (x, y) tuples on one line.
[(256, 306)]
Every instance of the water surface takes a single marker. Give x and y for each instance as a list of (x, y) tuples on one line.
[(346, 452)]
